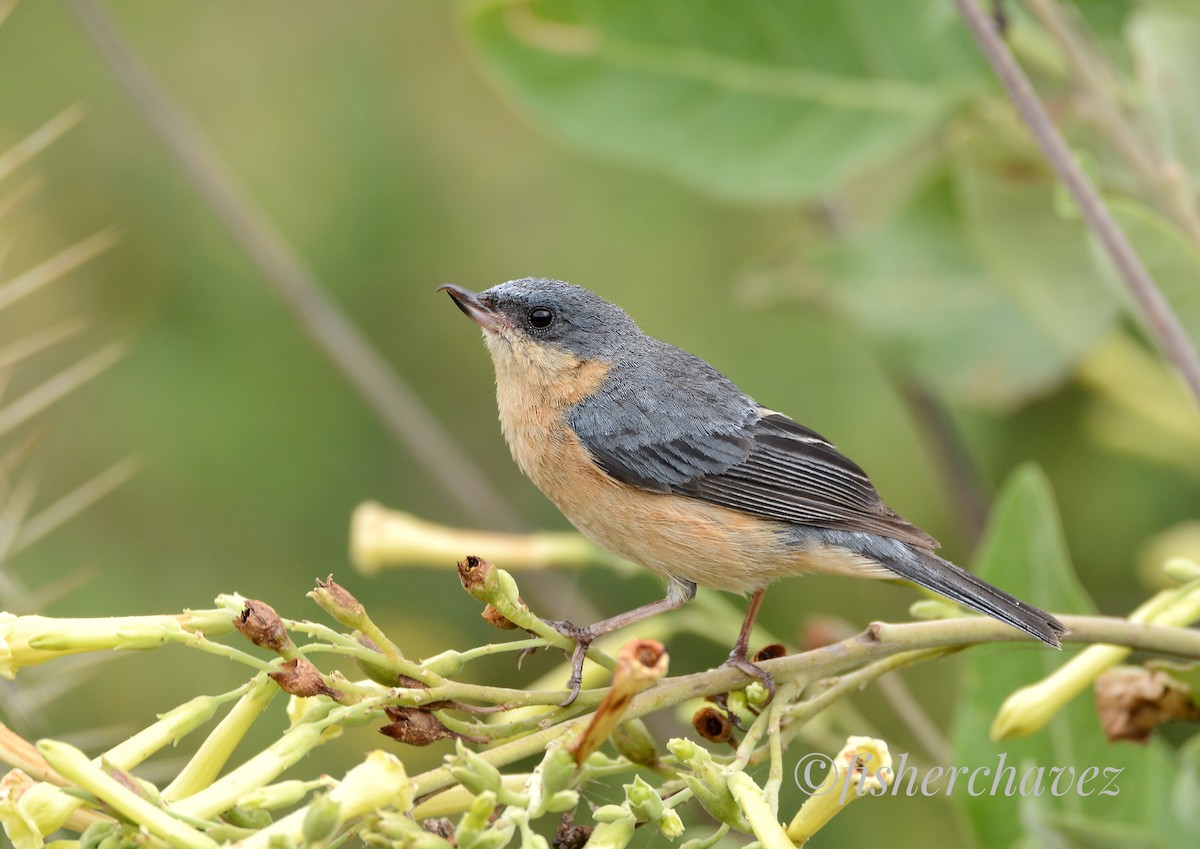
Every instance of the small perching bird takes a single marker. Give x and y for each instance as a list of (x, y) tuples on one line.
[(653, 454)]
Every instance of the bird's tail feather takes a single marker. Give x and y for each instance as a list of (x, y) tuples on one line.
[(941, 576)]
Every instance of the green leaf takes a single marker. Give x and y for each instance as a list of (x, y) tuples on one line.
[(747, 99), (940, 285), (1166, 47), (1025, 554)]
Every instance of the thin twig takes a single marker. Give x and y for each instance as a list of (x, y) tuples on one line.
[(1162, 321), (400, 408), (1158, 174)]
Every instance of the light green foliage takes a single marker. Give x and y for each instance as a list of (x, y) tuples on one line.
[(751, 100), (1024, 549)]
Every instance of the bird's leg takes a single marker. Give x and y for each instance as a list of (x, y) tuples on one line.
[(679, 593), (738, 657)]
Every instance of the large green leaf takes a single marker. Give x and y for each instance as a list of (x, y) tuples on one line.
[(749, 99), (977, 286), (1024, 553)]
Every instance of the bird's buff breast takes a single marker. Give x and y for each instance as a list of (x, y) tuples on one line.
[(671, 534)]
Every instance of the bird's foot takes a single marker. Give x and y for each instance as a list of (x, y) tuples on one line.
[(583, 638), (738, 660)]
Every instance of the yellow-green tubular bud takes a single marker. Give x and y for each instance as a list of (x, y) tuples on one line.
[(647, 805), (30, 640), (447, 663), (251, 818), (1182, 568), (706, 842), (473, 771), (860, 769), (615, 826), (475, 829), (757, 694), (644, 801), (632, 739), (321, 819), (282, 794), (492, 838), (557, 770), (529, 838), (549, 790), (707, 783), (171, 726), (929, 609)]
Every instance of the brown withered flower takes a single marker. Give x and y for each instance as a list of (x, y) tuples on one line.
[(420, 727), (770, 652), (298, 677), (260, 624), (497, 619), (571, 836), (1132, 702), (713, 725), (639, 664)]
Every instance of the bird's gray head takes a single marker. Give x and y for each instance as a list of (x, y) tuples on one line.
[(549, 313)]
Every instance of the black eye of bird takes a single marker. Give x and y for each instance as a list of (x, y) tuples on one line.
[(540, 317)]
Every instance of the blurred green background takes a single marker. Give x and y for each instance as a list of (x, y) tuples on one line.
[(376, 140)]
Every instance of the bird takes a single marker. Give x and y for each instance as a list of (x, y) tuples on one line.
[(653, 454)]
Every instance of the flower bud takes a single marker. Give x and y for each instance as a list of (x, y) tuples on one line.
[(707, 783), (337, 601)]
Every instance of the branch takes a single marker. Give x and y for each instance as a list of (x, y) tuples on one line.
[(1163, 323), (878, 642)]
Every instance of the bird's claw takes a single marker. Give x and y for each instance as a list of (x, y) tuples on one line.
[(583, 638), (739, 661)]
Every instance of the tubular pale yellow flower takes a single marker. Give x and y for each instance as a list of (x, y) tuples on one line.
[(77, 768), (217, 748), (166, 732), (1030, 708), (30, 640), (382, 538), (842, 785), (29, 812), (379, 781), (762, 819), (257, 772)]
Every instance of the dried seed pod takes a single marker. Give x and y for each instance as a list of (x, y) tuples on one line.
[(713, 725), (260, 624), (298, 677), (770, 652)]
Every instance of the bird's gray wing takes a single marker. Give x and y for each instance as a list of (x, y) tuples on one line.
[(671, 420), (795, 475), (715, 444)]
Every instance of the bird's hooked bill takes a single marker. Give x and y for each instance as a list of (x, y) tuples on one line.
[(473, 308)]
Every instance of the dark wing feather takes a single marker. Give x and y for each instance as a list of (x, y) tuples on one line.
[(792, 474)]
